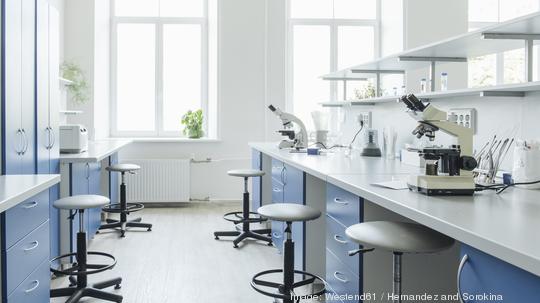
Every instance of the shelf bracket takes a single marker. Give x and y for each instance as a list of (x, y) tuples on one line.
[(378, 74), (433, 61), (501, 94), (529, 43)]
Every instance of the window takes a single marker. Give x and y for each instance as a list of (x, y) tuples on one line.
[(507, 67), (324, 36), (163, 64)]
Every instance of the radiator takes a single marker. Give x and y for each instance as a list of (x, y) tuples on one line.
[(159, 180)]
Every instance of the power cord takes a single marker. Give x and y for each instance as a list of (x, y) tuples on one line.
[(339, 145), (358, 132), (499, 188)]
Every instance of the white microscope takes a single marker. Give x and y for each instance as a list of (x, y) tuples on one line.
[(297, 140), (448, 170)]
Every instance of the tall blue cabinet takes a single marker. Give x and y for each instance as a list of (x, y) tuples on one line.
[(28, 126)]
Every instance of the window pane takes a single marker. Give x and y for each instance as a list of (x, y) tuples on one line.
[(355, 9), (355, 45), (141, 8), (181, 8), (514, 66), (311, 60), (311, 9), (483, 10), (482, 71), (135, 77), (181, 73), (514, 8)]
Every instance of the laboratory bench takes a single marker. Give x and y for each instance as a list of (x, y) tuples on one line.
[(84, 173), (497, 241)]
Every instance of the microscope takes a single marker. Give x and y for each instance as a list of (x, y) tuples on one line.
[(296, 140), (448, 170)]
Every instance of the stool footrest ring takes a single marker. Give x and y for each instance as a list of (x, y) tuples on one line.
[(130, 208), (238, 217), (90, 268), (256, 284)]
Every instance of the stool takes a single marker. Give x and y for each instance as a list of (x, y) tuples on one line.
[(123, 208), (81, 269), (245, 216), (285, 291), (398, 238)]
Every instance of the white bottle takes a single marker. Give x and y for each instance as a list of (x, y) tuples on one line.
[(423, 85), (444, 81)]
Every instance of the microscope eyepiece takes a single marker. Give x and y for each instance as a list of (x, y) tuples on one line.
[(407, 102), (416, 103), (271, 107)]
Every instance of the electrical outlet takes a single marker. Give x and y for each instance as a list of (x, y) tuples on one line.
[(366, 118), (463, 116)]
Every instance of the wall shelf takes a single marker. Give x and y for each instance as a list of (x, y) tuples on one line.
[(65, 81), (468, 45)]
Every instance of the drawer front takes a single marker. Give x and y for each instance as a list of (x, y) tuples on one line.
[(341, 280), (339, 244), (25, 256), (342, 205), (25, 217), (35, 288), (277, 234), (277, 171)]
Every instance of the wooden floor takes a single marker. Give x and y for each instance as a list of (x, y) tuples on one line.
[(179, 261)]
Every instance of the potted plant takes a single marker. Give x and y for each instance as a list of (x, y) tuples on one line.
[(78, 88), (193, 124)]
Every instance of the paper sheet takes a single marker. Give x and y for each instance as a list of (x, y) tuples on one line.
[(394, 184)]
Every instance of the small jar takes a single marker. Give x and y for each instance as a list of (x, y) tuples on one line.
[(423, 85), (444, 81)]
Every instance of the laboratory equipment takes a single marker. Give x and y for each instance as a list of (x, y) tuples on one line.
[(371, 147), (489, 159), (526, 166), (444, 81), (448, 170), (297, 140), (73, 138), (423, 85), (389, 138)]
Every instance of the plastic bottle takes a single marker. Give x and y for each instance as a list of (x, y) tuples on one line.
[(423, 85), (444, 81)]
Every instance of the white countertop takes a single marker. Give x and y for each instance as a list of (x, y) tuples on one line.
[(506, 226), (14, 189), (97, 151)]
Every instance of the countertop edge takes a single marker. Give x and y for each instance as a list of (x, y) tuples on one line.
[(30, 192), (78, 158)]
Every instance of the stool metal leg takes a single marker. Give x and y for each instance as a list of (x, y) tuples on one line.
[(288, 264), (397, 277)]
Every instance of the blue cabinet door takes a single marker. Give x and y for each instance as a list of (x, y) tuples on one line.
[(94, 214), (484, 274), (293, 192), (256, 182)]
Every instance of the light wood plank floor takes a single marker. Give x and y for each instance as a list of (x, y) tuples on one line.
[(179, 261)]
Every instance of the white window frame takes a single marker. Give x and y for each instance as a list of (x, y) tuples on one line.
[(159, 23), (334, 24)]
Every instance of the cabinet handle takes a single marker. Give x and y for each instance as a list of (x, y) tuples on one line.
[(53, 137), (339, 239), (48, 129), (276, 235), (87, 171), (342, 280), (36, 244), (25, 139), (19, 142), (30, 205), (284, 175), (341, 201), (33, 288), (276, 189), (464, 260)]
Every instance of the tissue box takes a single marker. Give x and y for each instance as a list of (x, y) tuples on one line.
[(412, 158)]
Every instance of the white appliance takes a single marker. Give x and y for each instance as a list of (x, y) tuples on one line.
[(73, 138)]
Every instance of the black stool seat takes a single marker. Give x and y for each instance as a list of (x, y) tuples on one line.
[(79, 271)]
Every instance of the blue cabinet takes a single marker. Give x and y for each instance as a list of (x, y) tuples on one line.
[(256, 182), (47, 107), (18, 71), (483, 274)]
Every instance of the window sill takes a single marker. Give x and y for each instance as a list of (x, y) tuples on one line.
[(171, 140)]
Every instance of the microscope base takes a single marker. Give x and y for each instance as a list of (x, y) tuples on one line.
[(442, 185)]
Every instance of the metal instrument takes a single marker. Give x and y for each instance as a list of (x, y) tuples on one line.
[(297, 140), (448, 170)]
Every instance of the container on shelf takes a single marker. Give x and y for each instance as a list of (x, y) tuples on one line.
[(444, 81), (423, 85)]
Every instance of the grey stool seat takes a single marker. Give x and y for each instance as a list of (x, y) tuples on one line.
[(245, 173), (288, 212), (399, 236), (81, 202), (123, 167)]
